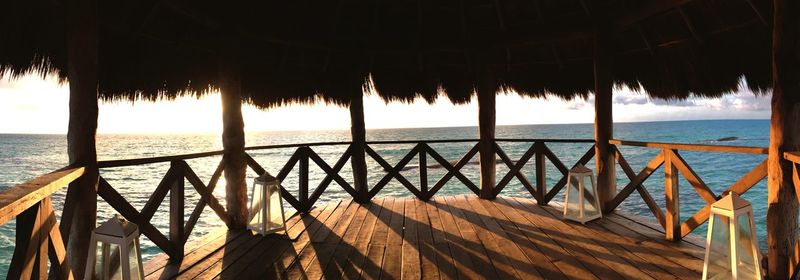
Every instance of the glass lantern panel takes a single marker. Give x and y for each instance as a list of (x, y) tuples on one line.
[(133, 260), (103, 259), (275, 211), (745, 261), (255, 206), (590, 207), (573, 197), (719, 257)]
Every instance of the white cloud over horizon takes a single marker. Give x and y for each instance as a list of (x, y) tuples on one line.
[(32, 104)]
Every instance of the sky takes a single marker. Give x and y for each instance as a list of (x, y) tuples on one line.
[(32, 104)]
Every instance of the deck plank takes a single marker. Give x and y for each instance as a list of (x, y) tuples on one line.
[(411, 265), (462, 259), (444, 258), (452, 237), (600, 251), (428, 265), (472, 243), (556, 254), (542, 263), (310, 224), (355, 262), (503, 262), (393, 255), (297, 269)]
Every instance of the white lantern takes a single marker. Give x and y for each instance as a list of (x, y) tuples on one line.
[(115, 235), (266, 207), (581, 203), (732, 245)]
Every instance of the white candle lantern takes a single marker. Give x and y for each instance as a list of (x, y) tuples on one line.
[(115, 235), (732, 245), (581, 203), (266, 207)]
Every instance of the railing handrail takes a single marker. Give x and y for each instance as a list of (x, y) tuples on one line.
[(19, 198), (693, 147), (792, 156), (160, 159)]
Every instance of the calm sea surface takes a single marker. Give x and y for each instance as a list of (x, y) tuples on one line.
[(23, 157)]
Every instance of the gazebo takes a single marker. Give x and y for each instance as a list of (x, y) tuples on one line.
[(272, 53)]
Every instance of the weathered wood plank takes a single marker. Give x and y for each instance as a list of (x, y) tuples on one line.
[(516, 257), (427, 253), (692, 147), (339, 262), (472, 242), (438, 239), (596, 247), (308, 254), (300, 234), (507, 218), (411, 262), (558, 232), (355, 261), (19, 198), (462, 260), (554, 253)]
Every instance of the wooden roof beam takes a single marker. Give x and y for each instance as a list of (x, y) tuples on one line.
[(758, 12), (690, 25), (653, 9)]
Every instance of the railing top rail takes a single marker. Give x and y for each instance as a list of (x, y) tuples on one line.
[(19, 198), (150, 160), (556, 140), (792, 156), (141, 161), (693, 147)]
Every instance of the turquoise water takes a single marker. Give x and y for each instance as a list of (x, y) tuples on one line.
[(23, 157)]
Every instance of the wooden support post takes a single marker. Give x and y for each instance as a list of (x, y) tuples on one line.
[(303, 180), (784, 136), (486, 91), (230, 83), (176, 206), (80, 209), (358, 158), (604, 122), (541, 174), (671, 190)]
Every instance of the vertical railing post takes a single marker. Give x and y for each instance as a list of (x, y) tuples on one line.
[(673, 215), (541, 170), (303, 179), (176, 208), (423, 170), (27, 235)]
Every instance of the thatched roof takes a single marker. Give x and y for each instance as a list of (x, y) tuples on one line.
[(292, 51)]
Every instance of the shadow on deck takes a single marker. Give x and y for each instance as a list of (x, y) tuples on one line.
[(448, 237)]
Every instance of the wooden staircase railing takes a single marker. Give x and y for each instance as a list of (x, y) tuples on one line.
[(675, 165)]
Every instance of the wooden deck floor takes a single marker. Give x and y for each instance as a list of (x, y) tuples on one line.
[(456, 237)]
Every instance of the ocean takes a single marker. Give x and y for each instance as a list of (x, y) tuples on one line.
[(23, 157)]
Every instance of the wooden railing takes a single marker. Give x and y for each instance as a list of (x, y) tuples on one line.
[(794, 158), (173, 183), (304, 153), (675, 165), (38, 238)]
